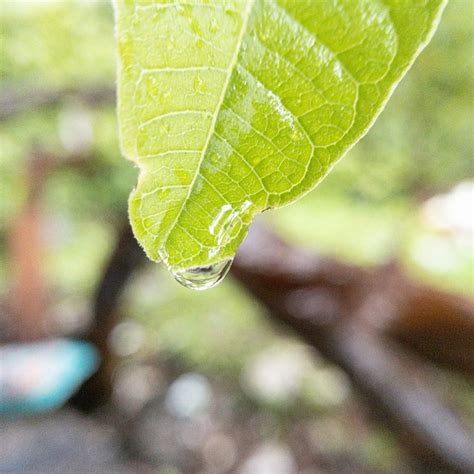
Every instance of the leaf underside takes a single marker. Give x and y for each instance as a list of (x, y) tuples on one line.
[(231, 107)]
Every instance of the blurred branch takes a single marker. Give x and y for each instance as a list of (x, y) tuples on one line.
[(323, 301), (437, 325), (125, 259), (16, 101)]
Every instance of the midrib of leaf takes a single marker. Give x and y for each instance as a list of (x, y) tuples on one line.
[(233, 63)]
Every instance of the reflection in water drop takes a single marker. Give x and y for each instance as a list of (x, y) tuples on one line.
[(202, 278)]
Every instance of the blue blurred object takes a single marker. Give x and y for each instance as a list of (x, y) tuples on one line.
[(41, 376)]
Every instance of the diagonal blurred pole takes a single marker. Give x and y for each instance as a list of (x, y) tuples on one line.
[(126, 258), (317, 299)]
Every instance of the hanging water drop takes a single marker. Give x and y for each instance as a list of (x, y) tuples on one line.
[(203, 278)]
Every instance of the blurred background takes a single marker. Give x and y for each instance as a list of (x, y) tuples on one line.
[(213, 382)]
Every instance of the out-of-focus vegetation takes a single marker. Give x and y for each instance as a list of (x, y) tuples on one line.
[(368, 210)]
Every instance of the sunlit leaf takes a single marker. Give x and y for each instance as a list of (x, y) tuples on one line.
[(233, 107)]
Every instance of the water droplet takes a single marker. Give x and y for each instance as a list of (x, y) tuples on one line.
[(165, 128), (125, 45), (203, 278), (153, 93), (195, 26), (296, 135), (310, 41)]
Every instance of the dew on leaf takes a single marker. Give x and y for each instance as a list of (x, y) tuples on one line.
[(202, 278), (213, 25), (195, 27), (226, 223), (165, 128), (199, 85), (296, 135)]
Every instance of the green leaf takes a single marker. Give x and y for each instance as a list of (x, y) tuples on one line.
[(233, 107)]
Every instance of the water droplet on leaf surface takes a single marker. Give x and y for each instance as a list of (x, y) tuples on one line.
[(203, 278), (213, 26), (199, 43), (199, 85)]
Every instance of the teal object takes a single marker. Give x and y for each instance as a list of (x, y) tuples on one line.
[(41, 376)]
